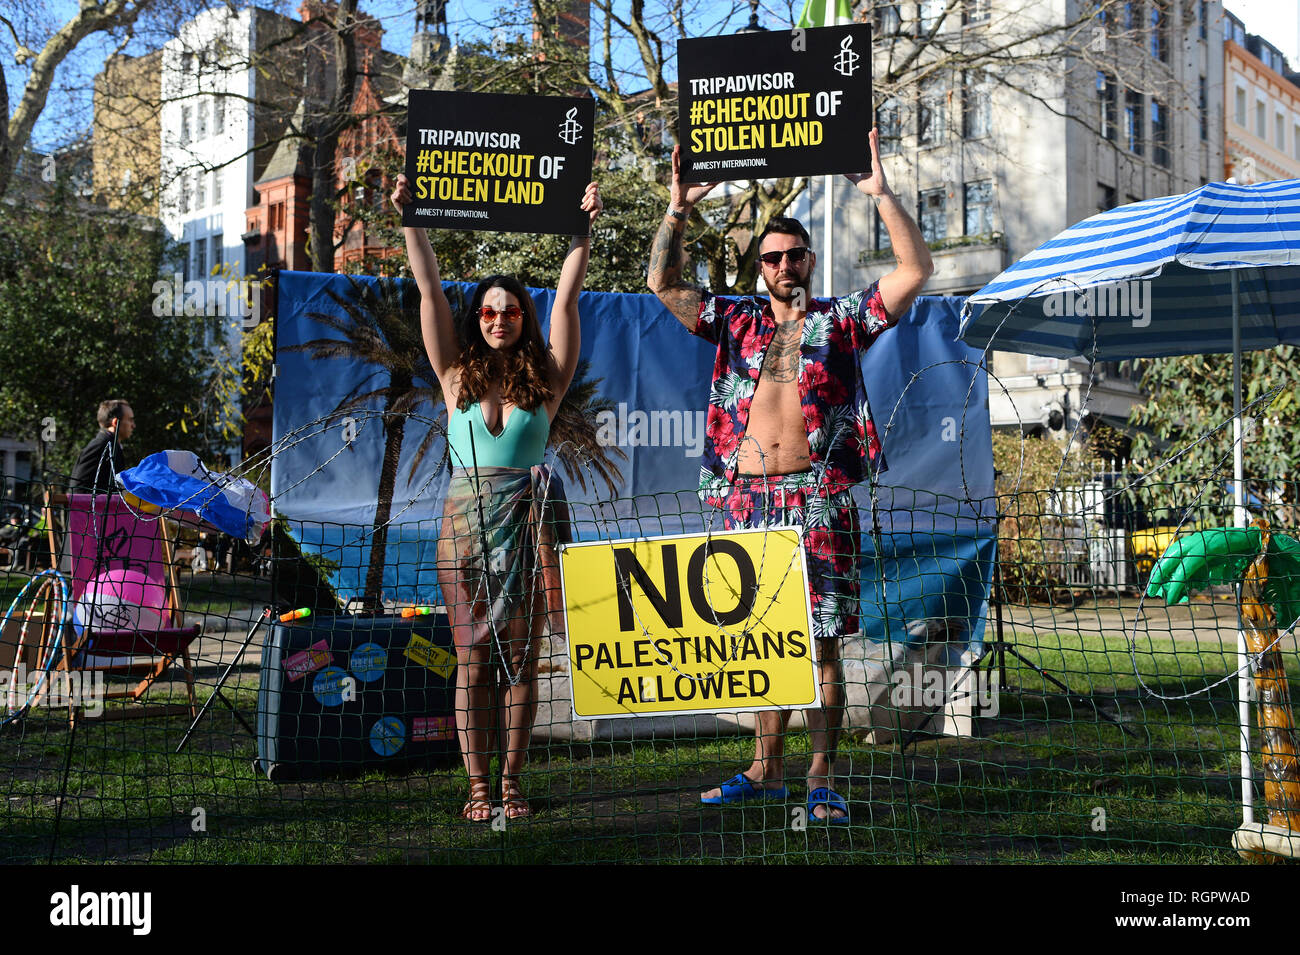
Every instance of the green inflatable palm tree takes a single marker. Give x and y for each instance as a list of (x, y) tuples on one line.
[(1267, 567)]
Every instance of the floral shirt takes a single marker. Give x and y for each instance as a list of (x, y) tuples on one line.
[(842, 438)]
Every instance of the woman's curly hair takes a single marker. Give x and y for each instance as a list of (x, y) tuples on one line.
[(522, 370)]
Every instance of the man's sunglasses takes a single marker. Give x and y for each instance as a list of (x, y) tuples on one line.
[(795, 256), (510, 313)]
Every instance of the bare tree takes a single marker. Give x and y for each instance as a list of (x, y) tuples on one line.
[(42, 47), (931, 60)]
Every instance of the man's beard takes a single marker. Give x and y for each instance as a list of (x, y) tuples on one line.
[(796, 290)]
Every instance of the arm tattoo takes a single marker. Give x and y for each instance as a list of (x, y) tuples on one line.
[(781, 363), (665, 255), (664, 252), (665, 278)]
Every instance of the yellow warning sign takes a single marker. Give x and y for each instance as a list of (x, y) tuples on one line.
[(702, 623)]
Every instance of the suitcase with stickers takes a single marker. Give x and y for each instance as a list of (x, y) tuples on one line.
[(343, 694)]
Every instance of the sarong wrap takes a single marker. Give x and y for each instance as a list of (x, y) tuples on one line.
[(516, 517)]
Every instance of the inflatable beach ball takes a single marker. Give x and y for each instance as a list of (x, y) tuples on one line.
[(121, 600)]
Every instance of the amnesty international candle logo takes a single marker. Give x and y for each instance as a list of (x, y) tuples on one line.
[(494, 161), (846, 63), (688, 624), (775, 104), (571, 128)]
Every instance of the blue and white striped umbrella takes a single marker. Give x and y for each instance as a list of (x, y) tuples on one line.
[(1182, 275), (1154, 278)]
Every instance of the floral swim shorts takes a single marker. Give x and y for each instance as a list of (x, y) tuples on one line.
[(830, 535)]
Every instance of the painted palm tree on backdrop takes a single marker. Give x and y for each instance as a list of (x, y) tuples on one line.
[(380, 326)]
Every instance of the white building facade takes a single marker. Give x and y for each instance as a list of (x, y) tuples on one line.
[(214, 102), (1108, 103)]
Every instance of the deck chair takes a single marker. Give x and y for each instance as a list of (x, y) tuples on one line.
[(126, 616)]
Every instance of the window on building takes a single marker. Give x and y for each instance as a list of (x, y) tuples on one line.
[(932, 13), (215, 252), (375, 188), (1279, 130), (1295, 140), (975, 11), (185, 124), (201, 111), (1105, 17), (276, 218), (201, 190), (1159, 32), (1203, 18), (1105, 197), (1130, 17), (978, 202), (1159, 134), (887, 20), (216, 186), (933, 214), (1203, 110), (932, 115), (889, 123), (1234, 30), (882, 234), (185, 194), (1133, 122), (976, 105), (198, 258), (1106, 105), (1239, 108), (219, 115), (1261, 120), (187, 63)]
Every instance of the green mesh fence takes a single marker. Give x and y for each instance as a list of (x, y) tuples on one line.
[(1091, 723)]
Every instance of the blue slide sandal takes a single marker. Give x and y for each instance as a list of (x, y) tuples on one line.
[(740, 788), (831, 800)]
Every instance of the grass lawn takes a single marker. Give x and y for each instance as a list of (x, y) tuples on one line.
[(1047, 780)]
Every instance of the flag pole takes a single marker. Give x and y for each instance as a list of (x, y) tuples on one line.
[(828, 232)]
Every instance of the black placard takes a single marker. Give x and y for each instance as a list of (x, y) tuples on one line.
[(781, 103), (498, 162)]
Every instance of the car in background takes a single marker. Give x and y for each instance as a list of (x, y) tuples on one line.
[(1149, 544)]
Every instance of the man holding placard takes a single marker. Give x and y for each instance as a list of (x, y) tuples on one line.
[(790, 432)]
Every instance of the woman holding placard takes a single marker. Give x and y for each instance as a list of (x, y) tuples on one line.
[(502, 385)]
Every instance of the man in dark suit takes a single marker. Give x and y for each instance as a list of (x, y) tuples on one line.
[(102, 457)]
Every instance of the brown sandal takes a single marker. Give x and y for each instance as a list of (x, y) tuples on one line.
[(478, 808), (512, 799)]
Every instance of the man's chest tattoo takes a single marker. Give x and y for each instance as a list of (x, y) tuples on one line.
[(781, 363)]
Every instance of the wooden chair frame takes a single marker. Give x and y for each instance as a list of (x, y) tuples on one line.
[(165, 659)]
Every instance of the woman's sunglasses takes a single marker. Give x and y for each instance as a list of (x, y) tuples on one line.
[(795, 256), (511, 313)]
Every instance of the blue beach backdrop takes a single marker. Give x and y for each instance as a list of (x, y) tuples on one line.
[(933, 507)]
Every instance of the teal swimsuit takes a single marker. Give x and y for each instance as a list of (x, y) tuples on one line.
[(521, 443)]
